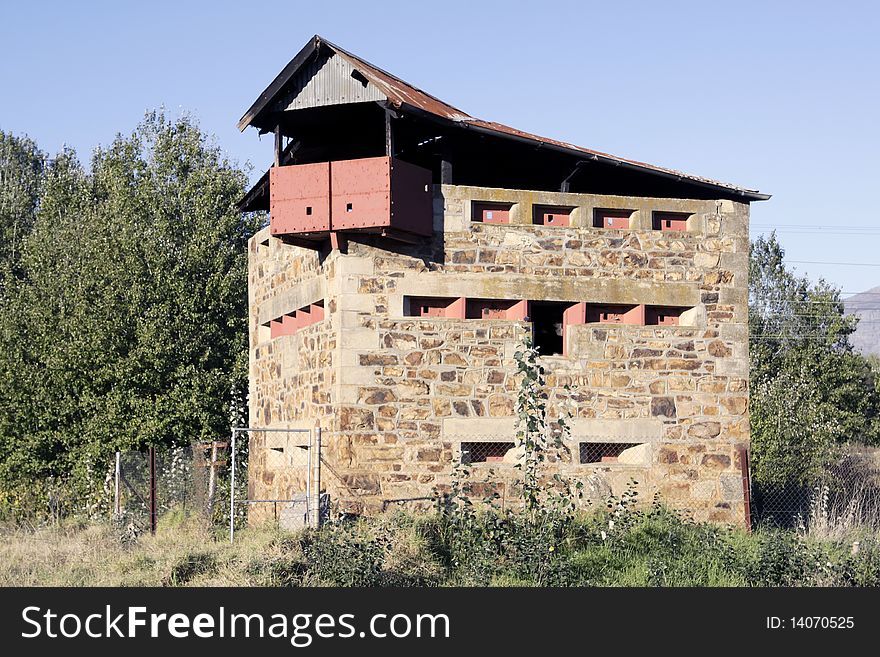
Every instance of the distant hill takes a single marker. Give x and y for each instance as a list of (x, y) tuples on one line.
[(867, 306)]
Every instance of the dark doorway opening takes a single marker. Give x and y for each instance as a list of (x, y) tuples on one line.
[(547, 326)]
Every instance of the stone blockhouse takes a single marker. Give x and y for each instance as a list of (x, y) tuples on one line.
[(411, 248)]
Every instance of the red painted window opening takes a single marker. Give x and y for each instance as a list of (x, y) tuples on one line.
[(670, 221), (604, 452), (615, 314), (496, 309), (303, 318), (663, 315), (548, 326), (435, 307), (290, 323), (617, 219), (491, 213), (551, 215), (284, 325), (488, 452)]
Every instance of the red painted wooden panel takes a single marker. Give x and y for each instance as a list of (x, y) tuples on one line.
[(574, 314), (518, 311), (289, 324), (376, 192), (412, 198), (437, 307), (495, 309), (303, 318), (456, 309), (361, 193), (299, 198)]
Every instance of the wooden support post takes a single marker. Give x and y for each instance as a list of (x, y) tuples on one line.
[(213, 464), (744, 464), (338, 242), (278, 145), (212, 478), (389, 136), (445, 171)]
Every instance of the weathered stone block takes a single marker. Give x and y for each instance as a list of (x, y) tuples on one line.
[(718, 349), (704, 430), (663, 406), (500, 406)]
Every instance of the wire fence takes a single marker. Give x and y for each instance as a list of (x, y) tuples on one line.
[(213, 480), (277, 481), (177, 481), (285, 485), (704, 482), (844, 494)]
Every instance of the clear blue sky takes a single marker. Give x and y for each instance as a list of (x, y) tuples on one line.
[(779, 96)]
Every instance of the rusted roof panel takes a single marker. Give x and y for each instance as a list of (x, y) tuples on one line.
[(405, 96)]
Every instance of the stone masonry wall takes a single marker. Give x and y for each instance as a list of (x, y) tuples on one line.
[(291, 376), (398, 395)]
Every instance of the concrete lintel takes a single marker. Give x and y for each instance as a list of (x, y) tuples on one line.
[(611, 431), (617, 431), (513, 286), (286, 301), (533, 197), (352, 264)]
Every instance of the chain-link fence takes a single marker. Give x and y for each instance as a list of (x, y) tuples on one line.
[(844, 494), (214, 480), (263, 476), (175, 481)]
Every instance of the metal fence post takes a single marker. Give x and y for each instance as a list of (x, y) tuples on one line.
[(309, 478), (315, 509), (232, 491), (117, 502), (153, 511)]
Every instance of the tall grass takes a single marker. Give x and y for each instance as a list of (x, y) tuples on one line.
[(847, 505), (639, 548)]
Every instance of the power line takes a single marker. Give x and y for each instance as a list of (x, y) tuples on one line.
[(819, 262), (758, 223), (815, 229)]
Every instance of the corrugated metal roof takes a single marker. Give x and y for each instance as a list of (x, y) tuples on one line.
[(326, 80), (405, 96)]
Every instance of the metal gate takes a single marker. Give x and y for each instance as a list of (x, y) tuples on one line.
[(295, 454)]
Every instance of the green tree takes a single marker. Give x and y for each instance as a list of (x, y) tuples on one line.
[(128, 326), (22, 169), (811, 392)]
